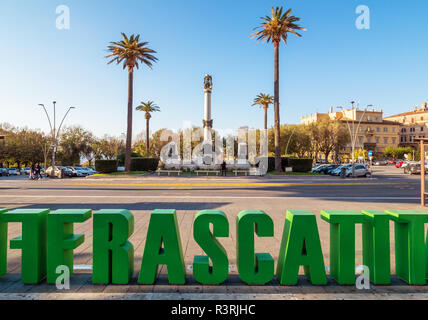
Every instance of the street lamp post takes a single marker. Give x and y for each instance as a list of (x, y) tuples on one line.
[(54, 131), (353, 133)]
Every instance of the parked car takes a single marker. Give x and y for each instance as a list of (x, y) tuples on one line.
[(4, 172), (398, 164), (68, 172), (414, 167), (380, 162), (361, 170), (13, 171), (89, 170), (318, 167), (25, 170), (338, 170), (78, 171), (326, 168)]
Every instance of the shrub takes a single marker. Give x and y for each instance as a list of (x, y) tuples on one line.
[(106, 166), (121, 158), (300, 165), (271, 163), (144, 164)]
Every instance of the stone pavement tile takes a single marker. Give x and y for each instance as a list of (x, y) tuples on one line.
[(140, 288), (45, 288), (214, 289), (88, 287), (18, 287), (116, 288)]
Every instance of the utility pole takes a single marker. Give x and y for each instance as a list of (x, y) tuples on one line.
[(54, 131)]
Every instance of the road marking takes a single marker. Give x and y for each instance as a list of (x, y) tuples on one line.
[(207, 197), (240, 184)]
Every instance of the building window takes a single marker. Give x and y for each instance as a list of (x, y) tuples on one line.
[(385, 129), (393, 140), (422, 128), (377, 140), (369, 140), (377, 129), (377, 119), (385, 140), (393, 129), (421, 137), (360, 139)]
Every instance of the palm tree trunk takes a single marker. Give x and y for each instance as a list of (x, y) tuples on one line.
[(147, 135), (266, 109), (129, 127), (276, 109)]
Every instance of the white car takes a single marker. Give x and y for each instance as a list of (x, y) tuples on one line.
[(13, 171), (361, 170)]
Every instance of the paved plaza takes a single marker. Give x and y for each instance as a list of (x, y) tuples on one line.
[(388, 189)]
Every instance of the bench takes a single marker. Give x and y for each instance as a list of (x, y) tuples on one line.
[(168, 171), (207, 172), (240, 171)]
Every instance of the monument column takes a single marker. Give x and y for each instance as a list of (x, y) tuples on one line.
[(207, 122)]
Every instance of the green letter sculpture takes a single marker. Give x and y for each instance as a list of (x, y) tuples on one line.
[(61, 241), (376, 248), (163, 247), (253, 268), (300, 246), (202, 271), (410, 248), (32, 242), (3, 245), (113, 254), (342, 243)]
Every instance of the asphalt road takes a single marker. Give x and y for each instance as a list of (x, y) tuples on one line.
[(388, 185)]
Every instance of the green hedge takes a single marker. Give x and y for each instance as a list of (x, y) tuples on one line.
[(106, 166), (300, 165), (121, 158), (271, 163), (144, 164)]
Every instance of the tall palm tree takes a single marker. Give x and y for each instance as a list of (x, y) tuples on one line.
[(274, 29), (148, 107), (264, 100), (131, 52)]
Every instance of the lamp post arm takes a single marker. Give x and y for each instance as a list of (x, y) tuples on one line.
[(47, 116), (62, 121)]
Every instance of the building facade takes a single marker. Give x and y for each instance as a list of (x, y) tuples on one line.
[(373, 132), (413, 125)]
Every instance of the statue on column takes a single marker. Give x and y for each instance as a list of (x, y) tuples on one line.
[(208, 82)]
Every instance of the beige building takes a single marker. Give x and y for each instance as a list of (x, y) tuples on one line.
[(373, 132), (413, 125)]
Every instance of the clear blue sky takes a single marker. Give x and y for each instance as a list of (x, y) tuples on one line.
[(332, 64)]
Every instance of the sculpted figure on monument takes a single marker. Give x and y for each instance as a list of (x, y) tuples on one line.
[(208, 82)]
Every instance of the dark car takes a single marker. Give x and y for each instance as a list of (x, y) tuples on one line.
[(4, 172), (326, 169)]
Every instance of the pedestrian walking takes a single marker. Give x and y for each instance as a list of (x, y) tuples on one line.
[(223, 168), (32, 171), (38, 171)]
